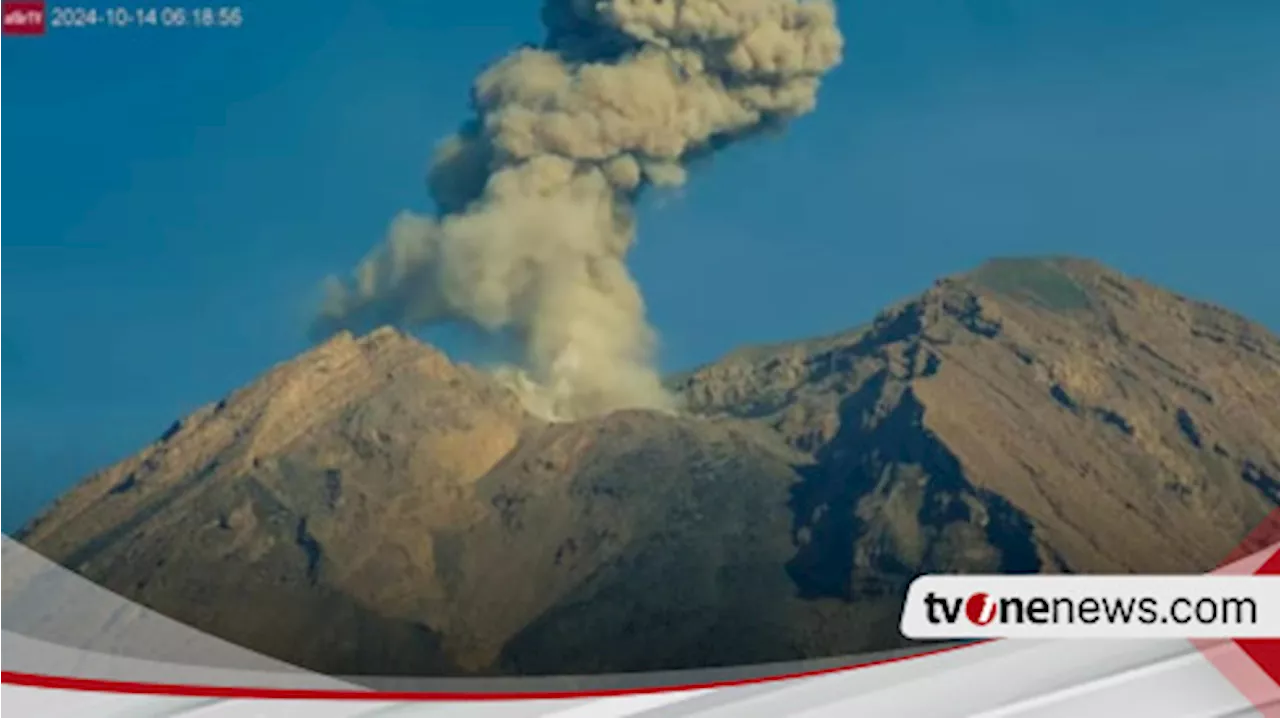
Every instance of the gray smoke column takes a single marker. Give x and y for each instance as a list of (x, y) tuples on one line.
[(536, 193)]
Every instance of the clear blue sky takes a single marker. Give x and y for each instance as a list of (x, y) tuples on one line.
[(174, 197)]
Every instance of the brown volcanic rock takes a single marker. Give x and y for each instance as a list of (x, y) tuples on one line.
[(299, 510), (1083, 420), (372, 508)]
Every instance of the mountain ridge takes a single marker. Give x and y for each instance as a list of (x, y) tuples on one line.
[(385, 510)]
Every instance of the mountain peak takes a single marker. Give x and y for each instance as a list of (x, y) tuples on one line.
[(371, 506)]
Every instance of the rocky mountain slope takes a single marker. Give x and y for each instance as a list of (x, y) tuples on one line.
[(371, 507)]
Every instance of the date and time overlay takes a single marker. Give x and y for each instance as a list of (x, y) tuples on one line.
[(39, 18)]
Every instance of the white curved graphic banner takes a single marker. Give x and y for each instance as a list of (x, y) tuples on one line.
[(136, 657)]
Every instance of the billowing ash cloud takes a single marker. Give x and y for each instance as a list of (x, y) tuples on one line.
[(536, 193)]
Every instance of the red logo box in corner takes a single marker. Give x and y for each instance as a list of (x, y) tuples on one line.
[(23, 18)]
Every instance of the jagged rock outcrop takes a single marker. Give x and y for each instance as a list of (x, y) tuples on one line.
[(371, 507)]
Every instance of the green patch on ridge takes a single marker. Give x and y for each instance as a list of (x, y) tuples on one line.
[(1041, 281)]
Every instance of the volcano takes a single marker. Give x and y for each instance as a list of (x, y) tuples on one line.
[(372, 507)]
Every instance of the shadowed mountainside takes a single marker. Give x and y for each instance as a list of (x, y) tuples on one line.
[(371, 507)]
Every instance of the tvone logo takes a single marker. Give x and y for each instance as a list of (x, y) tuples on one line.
[(23, 18), (980, 609)]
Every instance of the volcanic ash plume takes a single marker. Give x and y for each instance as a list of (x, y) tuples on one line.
[(535, 194)]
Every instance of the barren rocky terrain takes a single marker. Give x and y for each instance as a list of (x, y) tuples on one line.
[(373, 507)]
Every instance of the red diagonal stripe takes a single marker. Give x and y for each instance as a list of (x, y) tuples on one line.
[(1263, 535), (1266, 653), (1254, 655)]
